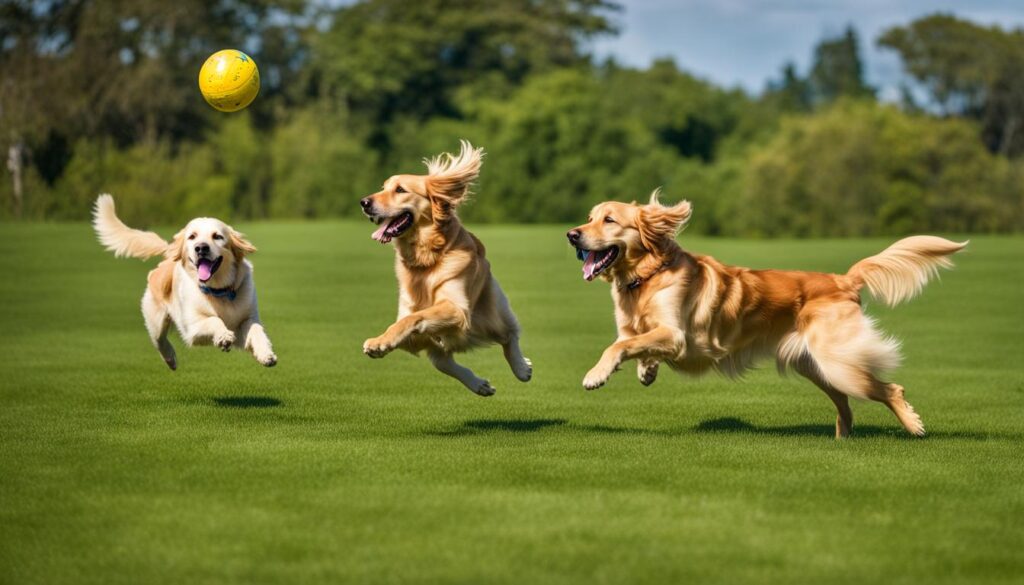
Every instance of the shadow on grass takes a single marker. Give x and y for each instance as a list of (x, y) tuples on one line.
[(716, 425), (532, 425), (474, 427), (246, 401), (735, 425)]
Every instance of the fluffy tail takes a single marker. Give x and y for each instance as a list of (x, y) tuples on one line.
[(901, 270), (120, 239)]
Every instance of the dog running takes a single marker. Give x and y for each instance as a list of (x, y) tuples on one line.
[(448, 301), (696, 314), (204, 284)]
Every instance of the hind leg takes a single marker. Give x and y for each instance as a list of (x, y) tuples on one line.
[(849, 352), (891, 395), (446, 364), (157, 323), (522, 367), (844, 416)]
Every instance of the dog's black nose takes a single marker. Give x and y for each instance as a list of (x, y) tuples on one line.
[(574, 236), (366, 203), (202, 249)]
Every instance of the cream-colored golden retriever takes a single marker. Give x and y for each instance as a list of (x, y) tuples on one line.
[(204, 284), (696, 314), (448, 302)]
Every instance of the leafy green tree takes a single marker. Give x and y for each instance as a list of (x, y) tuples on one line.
[(792, 93), (391, 57), (860, 168), (837, 70), (968, 70)]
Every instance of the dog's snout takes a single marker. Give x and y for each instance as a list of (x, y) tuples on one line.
[(366, 203), (202, 249), (574, 236)]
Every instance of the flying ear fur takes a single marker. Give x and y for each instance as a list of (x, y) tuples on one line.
[(450, 177), (239, 244), (659, 223)]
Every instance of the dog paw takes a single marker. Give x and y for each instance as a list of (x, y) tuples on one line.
[(524, 370), (269, 360), (647, 374), (171, 363), (482, 388), (377, 347), (224, 340), (596, 377)]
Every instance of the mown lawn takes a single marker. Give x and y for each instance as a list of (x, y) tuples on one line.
[(335, 468)]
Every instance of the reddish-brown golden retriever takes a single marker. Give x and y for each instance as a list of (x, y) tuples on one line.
[(696, 314), (448, 301)]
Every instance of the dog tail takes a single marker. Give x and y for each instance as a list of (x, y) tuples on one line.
[(900, 272), (120, 239)]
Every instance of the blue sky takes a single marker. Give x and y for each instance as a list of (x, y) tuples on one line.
[(745, 42)]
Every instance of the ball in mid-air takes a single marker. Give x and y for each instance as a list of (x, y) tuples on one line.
[(229, 80)]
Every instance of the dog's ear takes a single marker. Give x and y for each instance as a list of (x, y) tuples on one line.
[(658, 223), (239, 245), (176, 249), (449, 178)]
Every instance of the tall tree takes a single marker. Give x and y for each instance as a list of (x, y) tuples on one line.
[(837, 70), (792, 93), (390, 57), (118, 70), (968, 70)]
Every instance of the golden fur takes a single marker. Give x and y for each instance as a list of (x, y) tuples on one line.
[(697, 314), (448, 300), (173, 293)]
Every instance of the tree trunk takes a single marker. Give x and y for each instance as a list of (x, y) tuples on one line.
[(1009, 130), (15, 163)]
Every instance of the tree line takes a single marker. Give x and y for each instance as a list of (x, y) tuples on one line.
[(100, 95)]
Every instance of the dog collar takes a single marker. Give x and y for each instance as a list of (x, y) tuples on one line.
[(636, 282), (221, 293)]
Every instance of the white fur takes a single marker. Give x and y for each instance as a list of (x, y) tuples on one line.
[(201, 319), (120, 239)]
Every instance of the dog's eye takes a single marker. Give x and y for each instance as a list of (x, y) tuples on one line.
[(609, 219), (191, 236), (400, 189), (218, 237)]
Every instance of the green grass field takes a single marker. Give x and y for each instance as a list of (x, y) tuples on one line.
[(333, 467)]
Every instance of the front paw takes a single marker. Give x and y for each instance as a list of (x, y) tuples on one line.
[(224, 340), (482, 388), (377, 347), (269, 360), (597, 376)]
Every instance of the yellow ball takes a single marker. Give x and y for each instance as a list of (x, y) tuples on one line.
[(229, 80)]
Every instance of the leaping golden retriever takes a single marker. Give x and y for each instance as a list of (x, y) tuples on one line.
[(696, 314), (204, 284), (448, 302)]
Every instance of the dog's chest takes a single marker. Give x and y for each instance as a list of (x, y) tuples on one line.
[(641, 313), (417, 290), (231, 312)]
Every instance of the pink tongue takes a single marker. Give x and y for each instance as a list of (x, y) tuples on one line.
[(204, 269), (379, 234), (589, 264)]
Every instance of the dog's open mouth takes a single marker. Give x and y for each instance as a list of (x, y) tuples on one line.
[(394, 227), (595, 261), (207, 268)]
